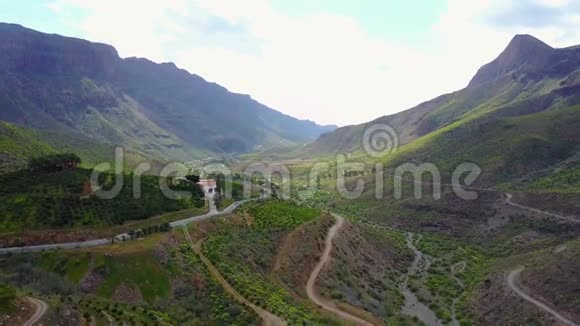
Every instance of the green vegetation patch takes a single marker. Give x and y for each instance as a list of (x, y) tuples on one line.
[(281, 215), (72, 266), (439, 281), (245, 255), (64, 199), (7, 296), (139, 270)]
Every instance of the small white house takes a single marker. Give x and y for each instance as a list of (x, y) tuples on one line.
[(208, 186)]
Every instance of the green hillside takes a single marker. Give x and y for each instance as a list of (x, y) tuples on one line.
[(132, 283), (18, 144), (518, 124)]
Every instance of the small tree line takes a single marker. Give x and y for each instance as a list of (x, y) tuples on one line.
[(54, 162)]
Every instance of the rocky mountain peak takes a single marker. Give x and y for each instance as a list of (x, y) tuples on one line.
[(524, 51)]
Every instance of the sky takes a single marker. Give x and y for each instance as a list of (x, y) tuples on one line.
[(331, 61)]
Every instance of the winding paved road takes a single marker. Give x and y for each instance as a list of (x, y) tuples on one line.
[(103, 242), (40, 308), (513, 281), (268, 318), (310, 286), (213, 213)]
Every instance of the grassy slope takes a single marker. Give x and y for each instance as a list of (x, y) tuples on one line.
[(18, 144), (245, 256), (511, 147), (510, 127), (484, 233), (168, 281), (365, 271)]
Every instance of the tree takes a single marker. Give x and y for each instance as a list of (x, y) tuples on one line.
[(193, 178)]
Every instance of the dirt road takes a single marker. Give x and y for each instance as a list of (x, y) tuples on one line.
[(268, 318), (508, 199), (513, 281), (40, 308), (310, 286), (560, 217)]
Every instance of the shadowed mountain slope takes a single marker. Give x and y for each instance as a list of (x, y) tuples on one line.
[(52, 82)]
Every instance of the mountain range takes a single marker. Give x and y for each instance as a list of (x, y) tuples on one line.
[(519, 118), (80, 89), (508, 256)]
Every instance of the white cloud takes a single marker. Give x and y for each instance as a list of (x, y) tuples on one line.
[(322, 67)]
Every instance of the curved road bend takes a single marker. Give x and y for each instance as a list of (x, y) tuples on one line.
[(40, 308), (513, 282), (508, 199), (268, 318), (104, 242), (566, 218), (310, 285)]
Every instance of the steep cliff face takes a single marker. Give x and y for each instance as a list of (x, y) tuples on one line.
[(26, 51), (54, 82)]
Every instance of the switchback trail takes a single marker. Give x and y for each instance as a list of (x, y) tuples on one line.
[(268, 318), (310, 286), (40, 308), (513, 282)]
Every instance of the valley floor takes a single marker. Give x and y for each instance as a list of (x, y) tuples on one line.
[(284, 264)]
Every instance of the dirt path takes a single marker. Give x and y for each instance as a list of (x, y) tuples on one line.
[(508, 199), (40, 308), (310, 286), (283, 251), (535, 210), (110, 319), (513, 281), (456, 269), (268, 318)]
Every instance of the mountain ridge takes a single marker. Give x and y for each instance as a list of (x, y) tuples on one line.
[(55, 82), (525, 90)]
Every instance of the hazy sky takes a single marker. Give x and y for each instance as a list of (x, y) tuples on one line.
[(331, 61)]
